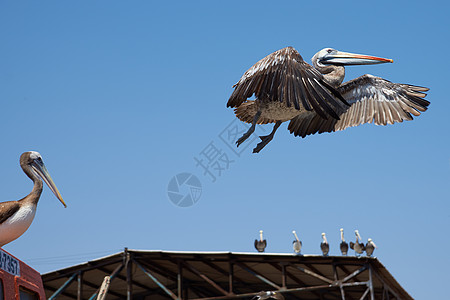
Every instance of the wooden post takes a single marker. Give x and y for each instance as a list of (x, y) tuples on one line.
[(104, 288)]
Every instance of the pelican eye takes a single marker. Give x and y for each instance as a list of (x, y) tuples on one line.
[(330, 50)]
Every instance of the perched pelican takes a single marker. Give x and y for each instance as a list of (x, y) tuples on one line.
[(359, 245), (370, 247), (324, 246), (343, 245), (314, 99), (261, 244), (296, 244), (268, 295), (16, 216)]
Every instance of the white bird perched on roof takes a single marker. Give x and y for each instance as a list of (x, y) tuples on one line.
[(324, 246), (359, 245), (343, 245), (296, 244), (370, 247), (261, 244)]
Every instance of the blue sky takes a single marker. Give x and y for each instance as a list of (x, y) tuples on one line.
[(120, 97)]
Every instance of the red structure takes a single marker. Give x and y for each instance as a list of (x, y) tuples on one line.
[(18, 280)]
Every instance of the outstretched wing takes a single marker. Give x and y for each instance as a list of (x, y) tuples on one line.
[(372, 99), (352, 245), (285, 77)]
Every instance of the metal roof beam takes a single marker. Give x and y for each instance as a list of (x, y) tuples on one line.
[(311, 273), (63, 287), (206, 278), (354, 274), (166, 290), (385, 284), (64, 293), (257, 275)]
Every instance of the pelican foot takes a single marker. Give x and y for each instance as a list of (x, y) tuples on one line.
[(265, 139), (243, 138)]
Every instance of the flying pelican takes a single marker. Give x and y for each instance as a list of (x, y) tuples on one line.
[(370, 247), (16, 216), (261, 244), (296, 244), (343, 245), (324, 246), (268, 295), (359, 245), (314, 99)]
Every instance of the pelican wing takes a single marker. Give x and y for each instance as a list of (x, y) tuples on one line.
[(372, 99), (285, 77), (377, 100), (7, 209)]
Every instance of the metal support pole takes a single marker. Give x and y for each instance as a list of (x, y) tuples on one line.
[(230, 277), (365, 294), (372, 294), (180, 280), (80, 286), (129, 265), (354, 274), (306, 271), (63, 287), (206, 278), (283, 276), (168, 292), (260, 277)]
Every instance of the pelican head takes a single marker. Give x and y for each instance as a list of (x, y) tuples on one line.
[(324, 237), (295, 234), (32, 160), (357, 235), (330, 56), (371, 242)]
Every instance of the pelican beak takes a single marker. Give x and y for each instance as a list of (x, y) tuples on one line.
[(346, 58), (40, 168)]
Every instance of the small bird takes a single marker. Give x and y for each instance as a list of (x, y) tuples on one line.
[(261, 244), (16, 216), (358, 247), (296, 244), (268, 295), (343, 245), (324, 246), (370, 247)]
